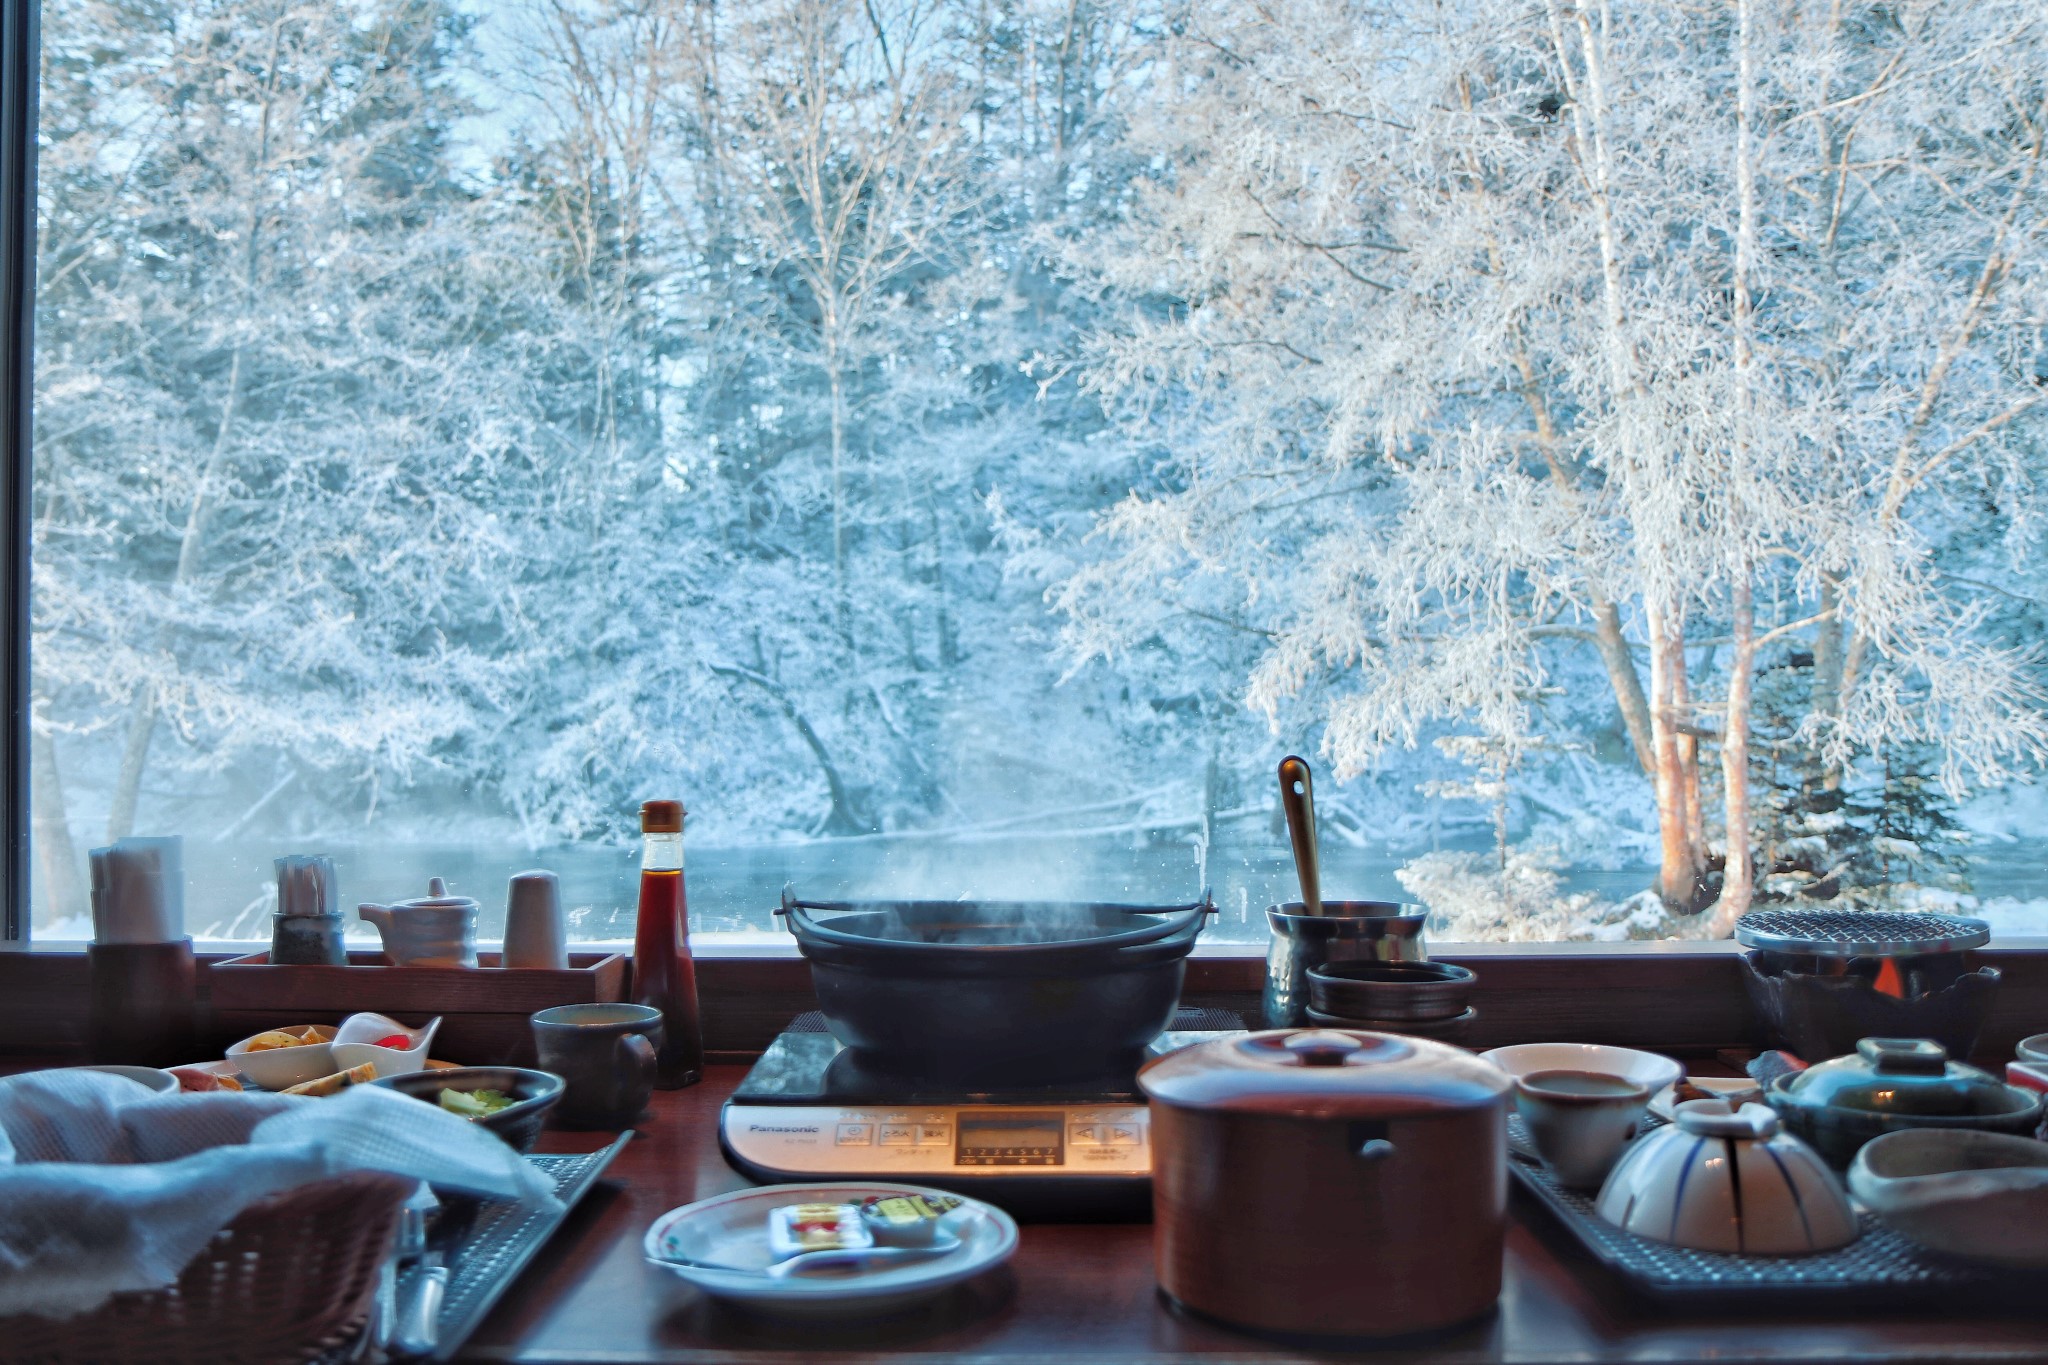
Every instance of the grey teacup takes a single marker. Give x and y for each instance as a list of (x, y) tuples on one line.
[(1580, 1121), (606, 1054)]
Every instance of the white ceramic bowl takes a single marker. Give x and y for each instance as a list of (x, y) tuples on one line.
[(732, 1230), (2033, 1051), (355, 1042), (163, 1082), (1725, 1179), (281, 1068), (1652, 1072), (1983, 1196)]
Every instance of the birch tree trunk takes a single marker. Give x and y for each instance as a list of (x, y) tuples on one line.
[(1678, 869), (842, 597), (1738, 877), (143, 718), (63, 889)]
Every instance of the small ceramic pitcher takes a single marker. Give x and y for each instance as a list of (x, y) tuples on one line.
[(437, 930)]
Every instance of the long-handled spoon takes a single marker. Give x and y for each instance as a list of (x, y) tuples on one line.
[(1298, 799)]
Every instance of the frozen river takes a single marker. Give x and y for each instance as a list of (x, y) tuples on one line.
[(734, 890)]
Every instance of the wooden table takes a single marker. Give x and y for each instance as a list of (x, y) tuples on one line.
[(1086, 1293)]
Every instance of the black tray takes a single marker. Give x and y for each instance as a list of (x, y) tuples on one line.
[(1879, 1270), (496, 1246)]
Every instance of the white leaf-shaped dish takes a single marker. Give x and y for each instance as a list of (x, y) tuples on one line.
[(355, 1042)]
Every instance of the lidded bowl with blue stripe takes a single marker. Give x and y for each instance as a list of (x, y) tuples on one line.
[(1720, 1178)]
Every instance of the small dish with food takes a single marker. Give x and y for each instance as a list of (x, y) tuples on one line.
[(1733, 1090), (384, 1043), (511, 1102), (280, 1058), (911, 1219)]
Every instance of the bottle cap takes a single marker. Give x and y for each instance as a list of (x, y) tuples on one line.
[(661, 817)]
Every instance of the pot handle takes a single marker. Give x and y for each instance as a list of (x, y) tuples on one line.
[(1376, 1150), (1181, 920)]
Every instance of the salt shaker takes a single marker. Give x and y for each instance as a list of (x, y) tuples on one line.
[(535, 933), (306, 930)]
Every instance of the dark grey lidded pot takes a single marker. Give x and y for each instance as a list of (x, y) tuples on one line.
[(1346, 931)]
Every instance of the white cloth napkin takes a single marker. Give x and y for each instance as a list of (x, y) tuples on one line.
[(107, 1186)]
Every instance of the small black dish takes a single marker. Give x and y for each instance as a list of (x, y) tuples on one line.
[(1415, 991), (519, 1124), (1455, 1029)]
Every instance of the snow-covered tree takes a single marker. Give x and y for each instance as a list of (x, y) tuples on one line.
[(1499, 343)]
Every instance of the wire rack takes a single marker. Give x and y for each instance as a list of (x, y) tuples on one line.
[(503, 1238), (1878, 1270), (1859, 933)]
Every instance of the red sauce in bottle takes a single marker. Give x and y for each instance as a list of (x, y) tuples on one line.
[(664, 974)]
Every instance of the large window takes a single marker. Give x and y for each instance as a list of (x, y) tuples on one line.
[(959, 446)]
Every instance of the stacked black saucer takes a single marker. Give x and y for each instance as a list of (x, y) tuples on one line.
[(1421, 999)]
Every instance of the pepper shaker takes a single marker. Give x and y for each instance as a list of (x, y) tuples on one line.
[(535, 933)]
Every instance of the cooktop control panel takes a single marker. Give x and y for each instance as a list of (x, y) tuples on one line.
[(957, 1140)]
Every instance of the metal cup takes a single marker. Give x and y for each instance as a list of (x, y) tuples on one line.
[(606, 1056), (1346, 931)]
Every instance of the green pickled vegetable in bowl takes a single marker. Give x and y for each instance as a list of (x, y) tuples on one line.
[(475, 1104)]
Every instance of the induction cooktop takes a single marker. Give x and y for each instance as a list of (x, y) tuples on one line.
[(813, 1110)]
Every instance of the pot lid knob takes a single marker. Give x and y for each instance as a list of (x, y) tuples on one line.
[(1911, 1056), (1322, 1047)]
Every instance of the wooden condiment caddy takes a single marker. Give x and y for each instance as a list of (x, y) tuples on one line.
[(484, 1009)]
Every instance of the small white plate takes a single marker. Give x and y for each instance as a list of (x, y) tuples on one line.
[(733, 1229), (1734, 1089), (162, 1082)]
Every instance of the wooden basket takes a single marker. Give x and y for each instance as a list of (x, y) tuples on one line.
[(290, 1280), (484, 1010)]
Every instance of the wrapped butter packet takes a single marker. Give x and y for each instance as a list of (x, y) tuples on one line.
[(907, 1219), (794, 1229)]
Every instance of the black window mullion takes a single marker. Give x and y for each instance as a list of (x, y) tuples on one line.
[(18, 71)]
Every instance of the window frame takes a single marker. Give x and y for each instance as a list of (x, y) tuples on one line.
[(19, 100), (19, 67)]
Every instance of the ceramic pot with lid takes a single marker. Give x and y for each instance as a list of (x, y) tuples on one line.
[(435, 930), (1890, 1084), (1328, 1182)]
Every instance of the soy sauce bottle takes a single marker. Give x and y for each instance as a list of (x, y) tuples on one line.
[(664, 975)]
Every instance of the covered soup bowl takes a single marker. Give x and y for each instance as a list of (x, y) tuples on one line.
[(1892, 1085)]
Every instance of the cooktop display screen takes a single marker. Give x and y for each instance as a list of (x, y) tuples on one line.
[(1013, 1139)]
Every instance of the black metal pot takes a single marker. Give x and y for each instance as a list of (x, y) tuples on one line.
[(996, 992)]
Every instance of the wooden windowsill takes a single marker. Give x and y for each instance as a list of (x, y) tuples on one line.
[(1684, 998)]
